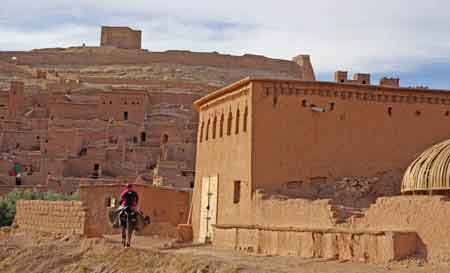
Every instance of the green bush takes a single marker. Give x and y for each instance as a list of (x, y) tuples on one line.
[(8, 202)]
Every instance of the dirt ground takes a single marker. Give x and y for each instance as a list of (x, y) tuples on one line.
[(45, 253)]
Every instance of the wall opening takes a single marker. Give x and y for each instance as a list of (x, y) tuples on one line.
[(135, 139), (165, 139), (275, 101), (238, 115), (18, 180), (418, 113), (207, 129), (331, 106), (201, 131), (230, 120), (214, 127), (222, 120), (447, 113), (390, 111), (237, 192), (96, 172), (245, 119), (143, 137), (125, 115), (304, 103)]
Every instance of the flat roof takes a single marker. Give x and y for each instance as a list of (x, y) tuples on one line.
[(229, 88)]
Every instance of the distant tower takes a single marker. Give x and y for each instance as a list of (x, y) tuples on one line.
[(121, 37), (304, 61), (16, 99)]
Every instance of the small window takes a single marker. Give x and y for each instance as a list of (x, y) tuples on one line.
[(108, 202), (237, 192), (331, 106), (390, 111), (447, 113), (165, 139), (201, 131), (304, 103), (230, 120), (125, 115), (207, 129), (110, 102), (214, 127), (418, 113), (236, 130), (275, 101), (222, 120), (363, 82), (245, 119), (143, 137)]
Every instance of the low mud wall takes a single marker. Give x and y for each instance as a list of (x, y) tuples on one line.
[(166, 207), (429, 216), (279, 211), (51, 216), (361, 246)]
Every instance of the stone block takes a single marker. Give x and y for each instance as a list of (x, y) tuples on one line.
[(268, 243), (247, 240), (306, 245), (329, 246), (288, 243)]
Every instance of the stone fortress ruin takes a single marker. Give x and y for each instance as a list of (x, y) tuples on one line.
[(277, 162)]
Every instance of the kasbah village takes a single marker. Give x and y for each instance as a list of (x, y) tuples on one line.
[(241, 164)]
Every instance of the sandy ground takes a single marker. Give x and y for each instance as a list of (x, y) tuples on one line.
[(22, 252)]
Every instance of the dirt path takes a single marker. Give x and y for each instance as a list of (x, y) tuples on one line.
[(259, 263), (22, 252)]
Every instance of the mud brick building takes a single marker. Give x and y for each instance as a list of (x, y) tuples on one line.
[(121, 37), (261, 137)]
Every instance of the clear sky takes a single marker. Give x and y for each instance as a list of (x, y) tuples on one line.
[(405, 38)]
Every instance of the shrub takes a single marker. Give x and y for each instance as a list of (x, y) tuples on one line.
[(8, 202)]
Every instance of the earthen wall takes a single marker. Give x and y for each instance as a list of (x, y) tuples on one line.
[(428, 216), (310, 132), (74, 111), (166, 207), (99, 56), (51, 216)]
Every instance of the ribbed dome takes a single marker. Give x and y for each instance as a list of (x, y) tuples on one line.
[(430, 171)]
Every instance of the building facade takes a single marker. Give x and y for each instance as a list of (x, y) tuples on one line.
[(267, 134)]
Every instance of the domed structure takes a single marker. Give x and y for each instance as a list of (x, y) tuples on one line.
[(430, 171)]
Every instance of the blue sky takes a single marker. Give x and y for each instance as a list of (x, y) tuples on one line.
[(409, 39)]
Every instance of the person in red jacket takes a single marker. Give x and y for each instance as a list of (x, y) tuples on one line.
[(129, 197)]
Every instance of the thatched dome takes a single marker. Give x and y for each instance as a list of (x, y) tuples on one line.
[(430, 171)]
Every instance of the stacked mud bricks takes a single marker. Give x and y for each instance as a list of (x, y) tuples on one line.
[(51, 216)]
